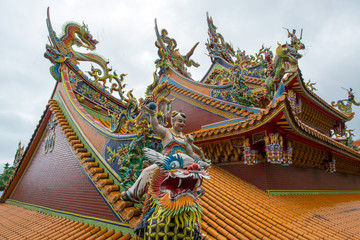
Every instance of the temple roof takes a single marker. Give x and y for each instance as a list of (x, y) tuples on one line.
[(233, 208)]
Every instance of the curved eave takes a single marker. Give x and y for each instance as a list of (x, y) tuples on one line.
[(173, 73), (230, 110), (197, 92), (309, 133), (300, 87), (204, 87), (235, 129)]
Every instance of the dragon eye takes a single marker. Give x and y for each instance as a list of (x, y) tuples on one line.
[(174, 164)]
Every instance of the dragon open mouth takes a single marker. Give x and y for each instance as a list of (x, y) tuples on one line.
[(181, 185), (295, 55)]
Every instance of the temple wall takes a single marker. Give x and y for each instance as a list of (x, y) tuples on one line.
[(268, 176), (254, 174), (301, 178), (56, 180)]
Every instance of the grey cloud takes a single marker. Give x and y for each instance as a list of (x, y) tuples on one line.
[(126, 32)]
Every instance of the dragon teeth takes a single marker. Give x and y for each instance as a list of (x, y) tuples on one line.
[(180, 180)]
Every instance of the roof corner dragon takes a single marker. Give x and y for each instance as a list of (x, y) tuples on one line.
[(285, 61), (60, 50)]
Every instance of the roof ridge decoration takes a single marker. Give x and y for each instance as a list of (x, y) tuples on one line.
[(170, 55), (310, 85), (345, 137), (345, 105), (264, 55), (216, 45), (285, 61), (264, 65), (239, 93), (154, 93), (60, 50)]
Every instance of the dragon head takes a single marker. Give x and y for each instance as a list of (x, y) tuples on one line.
[(87, 38), (175, 184), (288, 52)]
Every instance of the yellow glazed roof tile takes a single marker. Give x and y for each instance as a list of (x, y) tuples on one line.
[(234, 209)]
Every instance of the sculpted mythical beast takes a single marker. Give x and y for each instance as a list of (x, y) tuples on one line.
[(171, 209), (285, 60)]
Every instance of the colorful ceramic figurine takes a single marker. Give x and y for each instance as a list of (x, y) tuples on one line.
[(173, 141), (171, 209), (172, 184)]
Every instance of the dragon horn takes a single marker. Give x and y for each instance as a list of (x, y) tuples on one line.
[(159, 41)]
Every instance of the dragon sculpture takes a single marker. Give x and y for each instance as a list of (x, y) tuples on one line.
[(310, 85), (345, 105), (285, 60), (169, 54), (171, 209), (61, 50)]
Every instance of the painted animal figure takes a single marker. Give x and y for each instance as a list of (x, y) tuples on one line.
[(285, 60), (62, 49), (171, 209)]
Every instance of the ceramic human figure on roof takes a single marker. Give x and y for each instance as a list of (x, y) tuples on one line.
[(345, 105), (295, 42), (173, 141)]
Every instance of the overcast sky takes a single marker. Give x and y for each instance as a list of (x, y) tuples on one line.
[(125, 30)]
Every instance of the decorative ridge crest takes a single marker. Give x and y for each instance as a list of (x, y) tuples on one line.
[(216, 45), (170, 55)]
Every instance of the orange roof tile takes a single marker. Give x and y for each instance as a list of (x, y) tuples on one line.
[(234, 209), (20, 223)]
